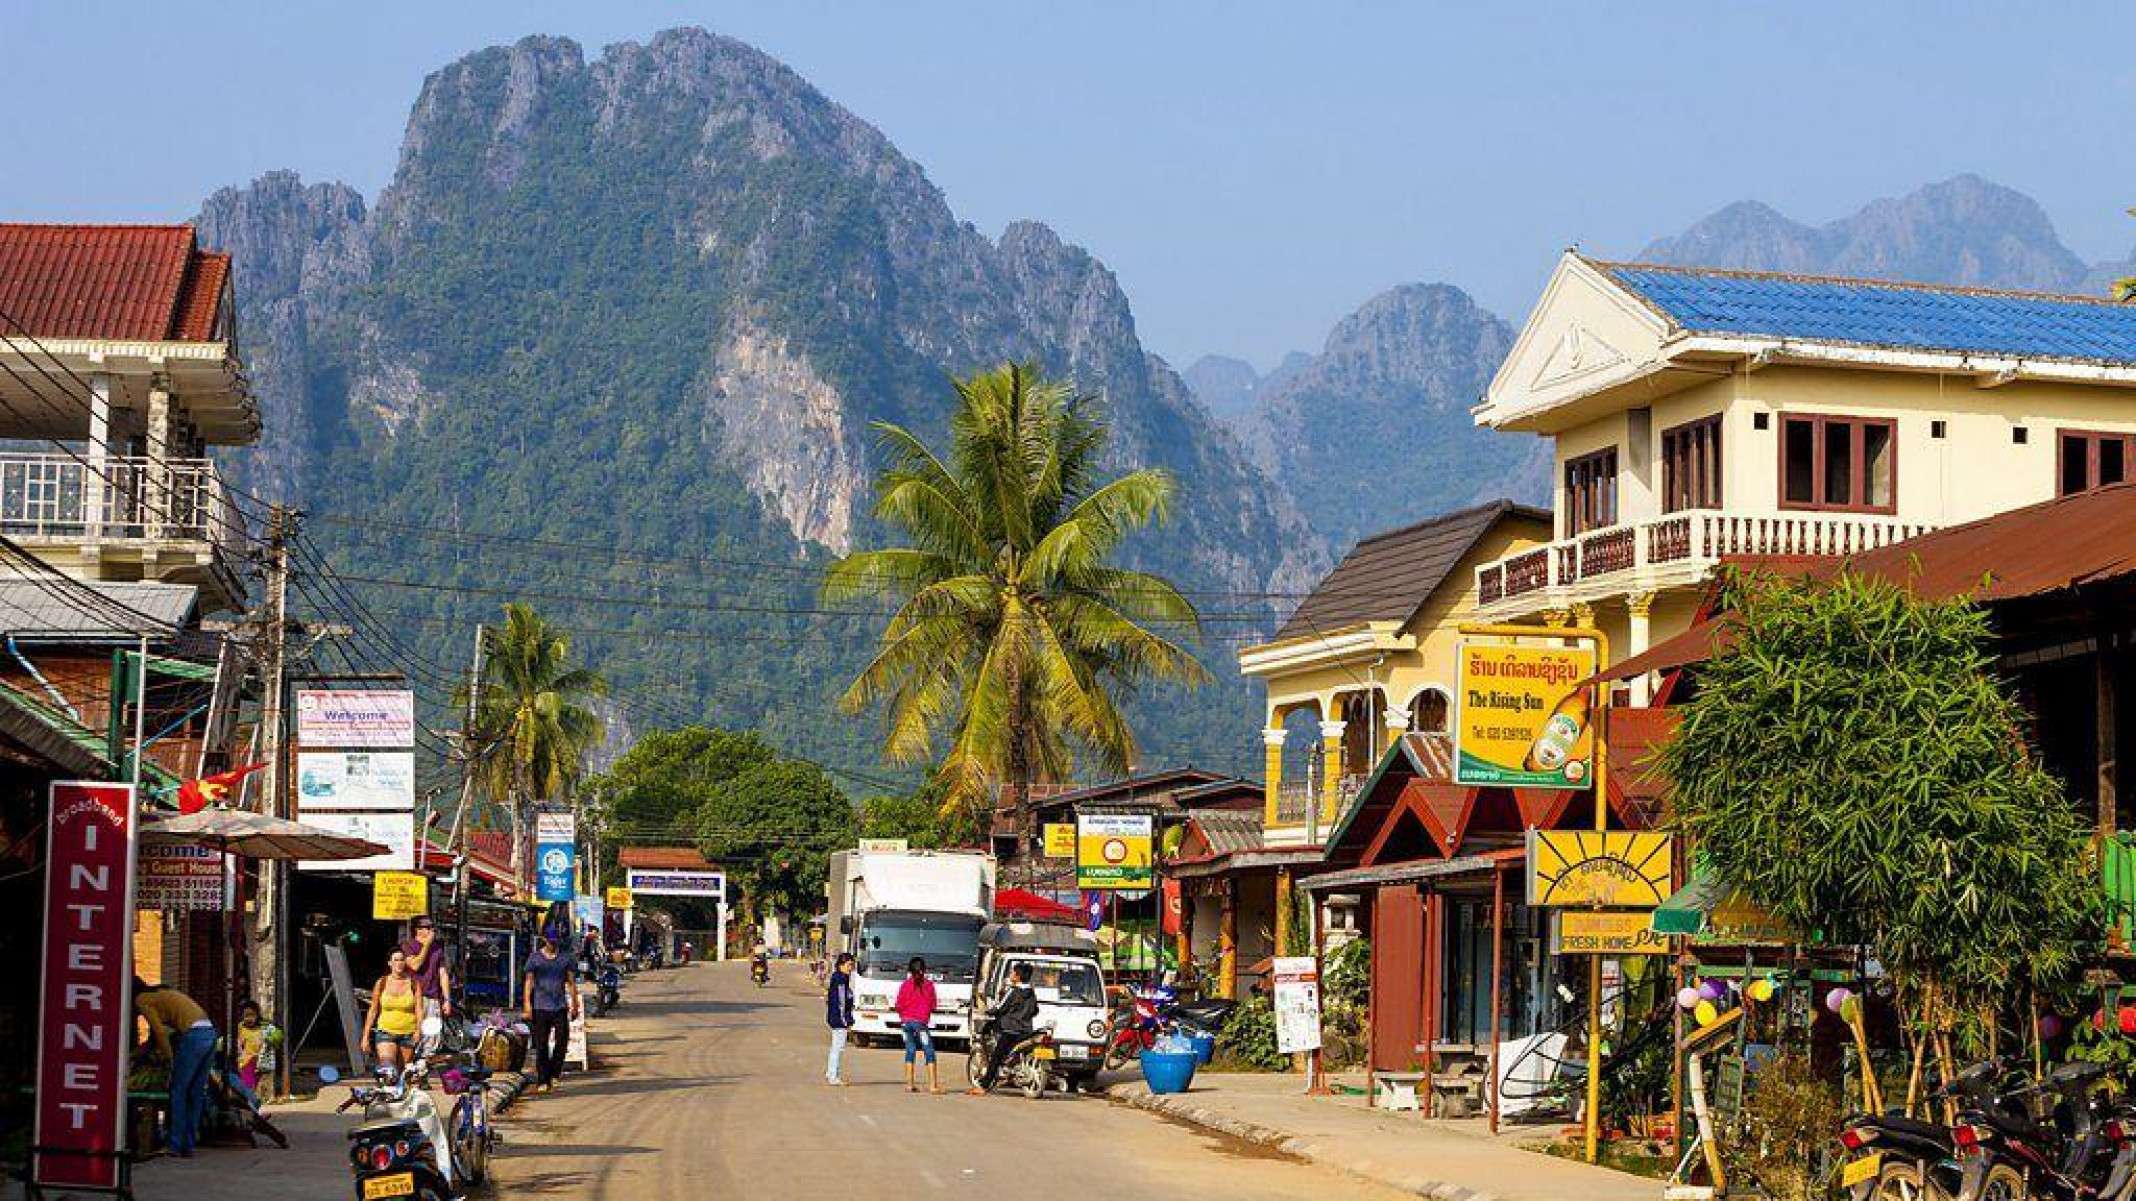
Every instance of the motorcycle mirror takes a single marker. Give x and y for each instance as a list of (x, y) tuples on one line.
[(433, 1026), (329, 1074)]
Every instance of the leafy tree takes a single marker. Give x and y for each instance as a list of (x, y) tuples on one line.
[(531, 716), (773, 828), (1853, 765), (1015, 633), (919, 819), (652, 794)]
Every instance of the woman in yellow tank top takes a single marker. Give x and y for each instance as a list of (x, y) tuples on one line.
[(396, 1013)]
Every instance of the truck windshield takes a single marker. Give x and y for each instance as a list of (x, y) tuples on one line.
[(947, 941), (1067, 983)]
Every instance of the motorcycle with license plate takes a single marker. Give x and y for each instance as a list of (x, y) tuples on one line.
[(401, 1148), (1029, 1067)]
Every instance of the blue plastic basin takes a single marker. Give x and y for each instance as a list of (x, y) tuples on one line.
[(1168, 1072), (1204, 1048)]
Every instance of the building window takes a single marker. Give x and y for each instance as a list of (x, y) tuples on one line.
[(1591, 492), (1427, 712), (2088, 459), (1691, 465), (1843, 463)]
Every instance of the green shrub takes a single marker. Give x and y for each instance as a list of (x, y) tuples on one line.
[(1248, 1041)]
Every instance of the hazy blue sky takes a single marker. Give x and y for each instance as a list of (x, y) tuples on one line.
[(1251, 171)]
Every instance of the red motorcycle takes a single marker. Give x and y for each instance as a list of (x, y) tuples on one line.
[(1140, 1017)]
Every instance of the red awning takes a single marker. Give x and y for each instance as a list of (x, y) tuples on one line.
[(1025, 905)]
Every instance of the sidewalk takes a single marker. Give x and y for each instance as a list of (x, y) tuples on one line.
[(315, 1165), (1400, 1150)]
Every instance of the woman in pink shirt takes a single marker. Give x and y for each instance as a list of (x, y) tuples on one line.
[(915, 1012)]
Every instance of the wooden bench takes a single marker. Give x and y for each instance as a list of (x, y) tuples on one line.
[(1396, 1090)]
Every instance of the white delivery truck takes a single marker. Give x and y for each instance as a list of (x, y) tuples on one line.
[(886, 907)]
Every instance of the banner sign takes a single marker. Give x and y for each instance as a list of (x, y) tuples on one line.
[(1617, 869), (887, 846), (1060, 840), (1609, 932), (172, 877), (398, 896), (619, 898), (1113, 851), (1297, 1000), (355, 717), (587, 910), (1522, 717), (85, 1028), (651, 883), (555, 856), (355, 780), (394, 831)]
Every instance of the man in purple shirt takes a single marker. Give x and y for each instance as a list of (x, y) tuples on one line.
[(426, 962)]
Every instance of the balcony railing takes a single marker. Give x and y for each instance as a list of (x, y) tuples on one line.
[(61, 498), (1299, 801), (1698, 537)]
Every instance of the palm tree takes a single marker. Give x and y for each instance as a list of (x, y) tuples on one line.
[(1014, 629), (530, 718)]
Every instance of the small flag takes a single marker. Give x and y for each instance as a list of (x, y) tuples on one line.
[(196, 795)]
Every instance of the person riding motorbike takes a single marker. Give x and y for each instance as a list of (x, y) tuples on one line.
[(760, 966), (1008, 1023)]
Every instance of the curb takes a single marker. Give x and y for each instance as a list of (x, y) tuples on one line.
[(1181, 1106), (504, 1088)]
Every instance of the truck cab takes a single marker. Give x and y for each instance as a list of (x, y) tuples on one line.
[(883, 941), (1067, 979)]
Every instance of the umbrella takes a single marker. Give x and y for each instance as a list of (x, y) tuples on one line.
[(258, 836)]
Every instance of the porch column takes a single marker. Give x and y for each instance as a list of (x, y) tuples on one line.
[(1272, 771), (1396, 718), (1227, 941), (99, 456), (1183, 945), (1640, 606), (1583, 614), (156, 515), (1283, 911), (1331, 772)]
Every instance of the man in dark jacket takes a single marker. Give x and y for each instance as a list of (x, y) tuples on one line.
[(838, 1014), (1011, 1023)]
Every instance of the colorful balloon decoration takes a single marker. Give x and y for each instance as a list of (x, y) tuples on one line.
[(1761, 990), (2050, 1025), (1687, 998), (1712, 990), (1836, 998), (1706, 1014)]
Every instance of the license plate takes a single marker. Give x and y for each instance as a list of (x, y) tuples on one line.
[(1075, 1052), (400, 1184), (1042, 1053), (1861, 1170)]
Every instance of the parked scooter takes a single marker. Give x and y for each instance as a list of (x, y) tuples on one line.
[(2048, 1140), (1207, 1016), (607, 988), (401, 1148), (473, 1137), (1141, 1017)]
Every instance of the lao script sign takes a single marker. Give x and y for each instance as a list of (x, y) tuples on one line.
[(1522, 717), (1617, 869), (648, 883), (85, 1028)]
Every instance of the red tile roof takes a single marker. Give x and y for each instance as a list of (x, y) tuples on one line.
[(123, 282), (659, 859)]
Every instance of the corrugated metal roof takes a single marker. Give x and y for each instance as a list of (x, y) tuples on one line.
[(122, 282), (1389, 576), (1228, 831), (1884, 313), (32, 609)]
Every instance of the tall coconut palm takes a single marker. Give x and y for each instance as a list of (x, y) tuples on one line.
[(1015, 632), (530, 716)]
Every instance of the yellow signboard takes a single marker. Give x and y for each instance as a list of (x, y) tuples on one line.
[(1609, 932), (1523, 718), (1060, 840), (1113, 851), (619, 898), (398, 896), (1617, 869)]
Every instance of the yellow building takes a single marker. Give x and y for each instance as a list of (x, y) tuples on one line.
[(1700, 415), (1370, 656)]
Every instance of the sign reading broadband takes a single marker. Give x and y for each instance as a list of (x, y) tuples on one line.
[(1522, 717), (1113, 851), (1595, 869)]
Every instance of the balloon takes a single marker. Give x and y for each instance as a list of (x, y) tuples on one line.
[(1706, 1014), (2050, 1025), (1850, 1009), (1760, 991), (2127, 1019), (1836, 998), (1687, 998), (1712, 990)]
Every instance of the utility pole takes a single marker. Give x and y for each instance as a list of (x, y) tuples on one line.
[(270, 977), (458, 842)]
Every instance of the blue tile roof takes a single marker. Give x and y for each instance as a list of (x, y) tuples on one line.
[(1884, 314)]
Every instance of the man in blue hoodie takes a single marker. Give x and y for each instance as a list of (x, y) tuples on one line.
[(838, 1014)]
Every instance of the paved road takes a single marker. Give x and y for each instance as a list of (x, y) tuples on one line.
[(706, 1086)]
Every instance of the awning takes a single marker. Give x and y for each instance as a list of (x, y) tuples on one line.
[(252, 835), (1709, 907), (1406, 873), (1695, 645)]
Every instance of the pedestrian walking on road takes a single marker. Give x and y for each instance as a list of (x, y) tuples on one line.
[(915, 1014), (185, 1039), (838, 1013), (397, 1011), (552, 1004), (1011, 1022)]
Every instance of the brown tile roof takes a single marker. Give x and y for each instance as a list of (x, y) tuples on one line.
[(663, 859), (123, 282), (1389, 576)]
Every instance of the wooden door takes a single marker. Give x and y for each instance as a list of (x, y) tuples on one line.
[(1397, 978)]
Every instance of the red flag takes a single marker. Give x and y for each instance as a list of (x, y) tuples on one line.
[(196, 795)]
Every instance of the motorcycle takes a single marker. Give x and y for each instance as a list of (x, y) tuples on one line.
[(2052, 1152), (1142, 1016), (1207, 1016), (760, 970), (1029, 1067), (401, 1149), (607, 988)]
